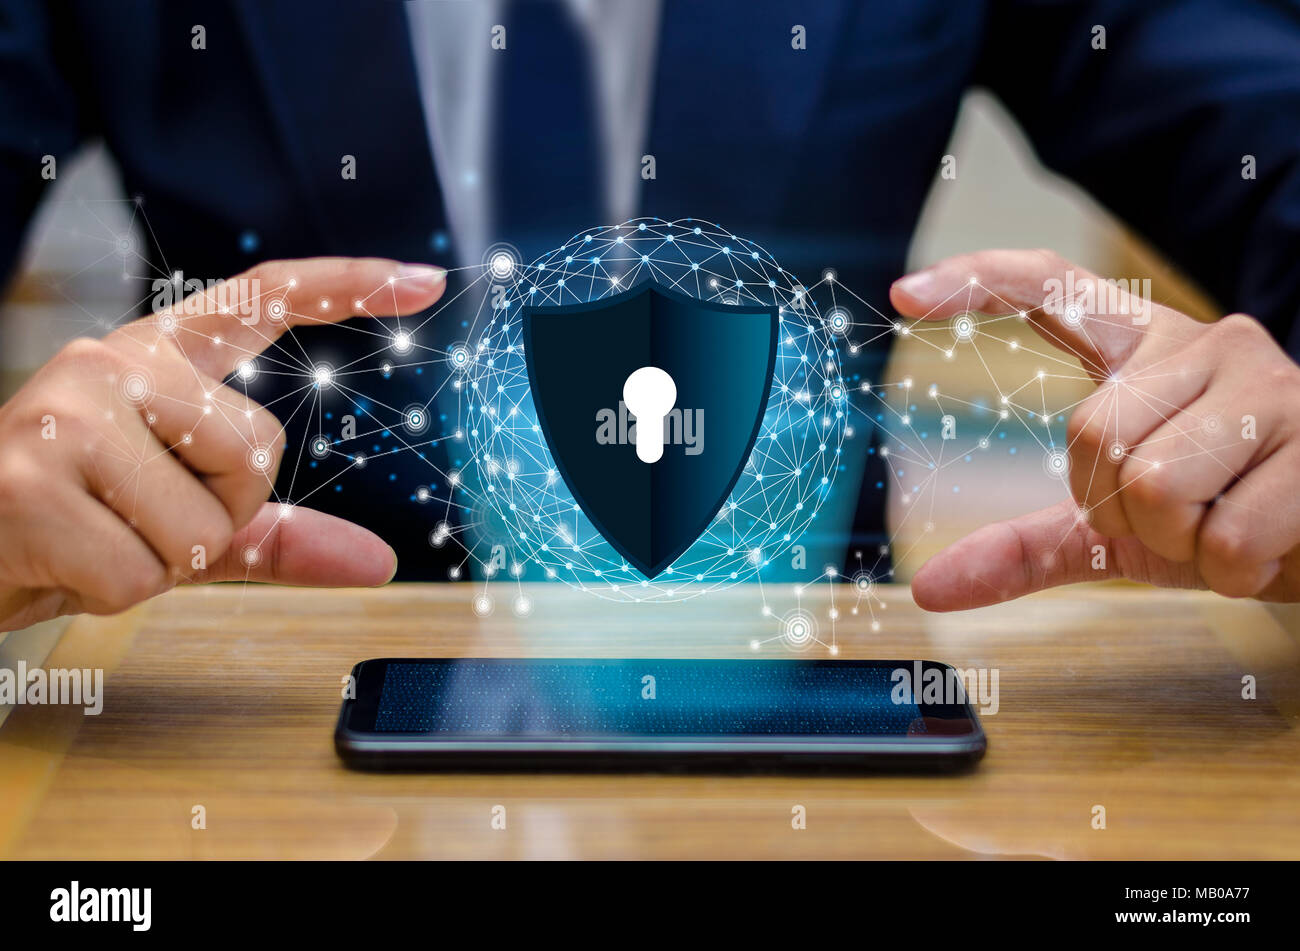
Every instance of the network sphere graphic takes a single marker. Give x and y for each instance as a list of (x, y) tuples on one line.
[(521, 500)]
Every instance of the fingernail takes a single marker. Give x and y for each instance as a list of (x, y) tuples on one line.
[(421, 276), (918, 285), (392, 574)]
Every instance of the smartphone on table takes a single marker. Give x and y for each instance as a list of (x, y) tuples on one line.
[(593, 714)]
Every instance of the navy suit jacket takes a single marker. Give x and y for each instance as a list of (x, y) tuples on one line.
[(823, 155)]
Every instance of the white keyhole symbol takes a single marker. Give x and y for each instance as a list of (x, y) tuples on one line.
[(649, 393)]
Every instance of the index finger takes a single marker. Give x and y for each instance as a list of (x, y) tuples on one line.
[(223, 325), (1100, 322)]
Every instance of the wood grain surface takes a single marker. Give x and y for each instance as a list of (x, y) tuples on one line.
[(226, 697)]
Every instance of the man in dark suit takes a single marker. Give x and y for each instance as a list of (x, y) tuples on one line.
[(816, 129)]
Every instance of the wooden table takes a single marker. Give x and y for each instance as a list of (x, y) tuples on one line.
[(226, 698)]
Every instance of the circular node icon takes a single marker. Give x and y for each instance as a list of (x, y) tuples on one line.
[(1212, 424), (136, 386), (523, 606), (402, 342), (863, 584), (1073, 314), (246, 371), (798, 630), (1057, 463), (277, 309), (261, 458), (963, 326), (1116, 451), (251, 556), (168, 323), (839, 320), (319, 446), (284, 512), (359, 460), (125, 244), (323, 375), (461, 357), (482, 605), (501, 260), (416, 418), (438, 537)]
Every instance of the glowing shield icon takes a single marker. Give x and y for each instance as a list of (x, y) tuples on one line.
[(650, 402)]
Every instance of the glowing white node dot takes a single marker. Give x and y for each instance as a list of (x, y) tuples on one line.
[(1056, 463), (963, 327), (136, 386), (261, 458), (798, 630), (501, 264), (416, 418)]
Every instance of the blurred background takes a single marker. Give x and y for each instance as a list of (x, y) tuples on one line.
[(71, 283)]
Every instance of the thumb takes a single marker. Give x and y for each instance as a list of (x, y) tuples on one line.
[(297, 546), (1006, 560)]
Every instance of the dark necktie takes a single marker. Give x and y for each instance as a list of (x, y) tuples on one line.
[(545, 168)]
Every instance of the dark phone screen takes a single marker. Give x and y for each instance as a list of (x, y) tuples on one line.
[(655, 698)]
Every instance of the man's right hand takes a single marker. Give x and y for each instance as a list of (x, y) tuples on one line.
[(124, 459)]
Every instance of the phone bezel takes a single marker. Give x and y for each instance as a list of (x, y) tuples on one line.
[(360, 746)]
